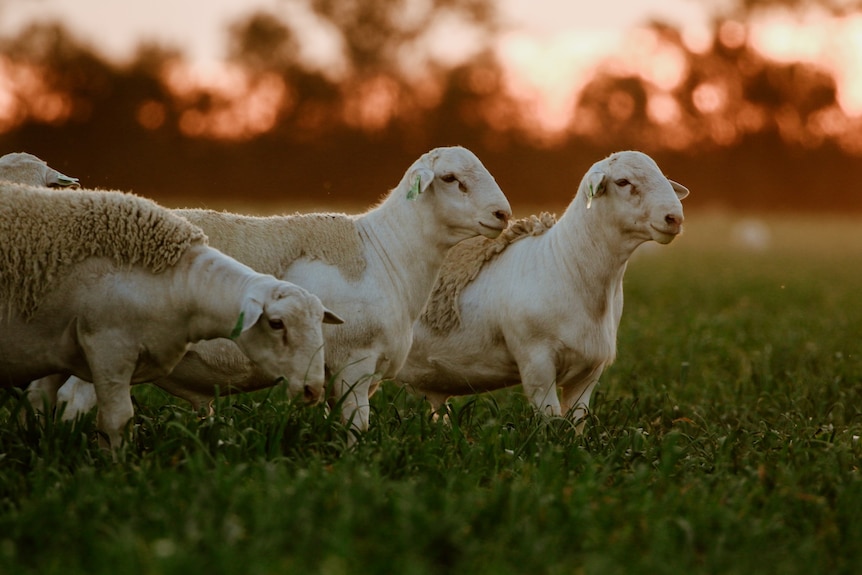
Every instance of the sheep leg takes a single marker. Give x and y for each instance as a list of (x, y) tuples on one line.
[(115, 409), (352, 388), (78, 397), (576, 400), (42, 393), (438, 402), (112, 367), (538, 377), (356, 408)]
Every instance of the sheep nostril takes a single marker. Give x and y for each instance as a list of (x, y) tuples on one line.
[(309, 394), (502, 216), (673, 220)]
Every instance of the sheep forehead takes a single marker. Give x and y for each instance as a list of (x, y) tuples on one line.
[(637, 167), (22, 167), (294, 299), (18, 158), (461, 162), (474, 174), (285, 291)]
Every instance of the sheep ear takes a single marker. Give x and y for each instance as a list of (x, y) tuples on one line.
[(595, 185), (331, 317), (58, 180), (681, 191), (248, 316), (419, 180)]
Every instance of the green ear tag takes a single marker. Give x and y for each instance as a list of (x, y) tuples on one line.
[(67, 181), (414, 189), (237, 329), (590, 195)]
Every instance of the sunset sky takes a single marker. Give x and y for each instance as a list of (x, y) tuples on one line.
[(550, 50), (199, 25)]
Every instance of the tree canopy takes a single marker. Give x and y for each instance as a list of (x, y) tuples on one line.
[(281, 127)]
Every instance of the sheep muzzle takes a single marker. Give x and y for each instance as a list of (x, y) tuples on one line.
[(310, 395)]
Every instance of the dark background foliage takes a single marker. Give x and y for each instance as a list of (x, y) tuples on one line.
[(778, 142)]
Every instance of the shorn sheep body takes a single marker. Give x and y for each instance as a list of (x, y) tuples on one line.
[(113, 288), (541, 305), (375, 269), (24, 168)]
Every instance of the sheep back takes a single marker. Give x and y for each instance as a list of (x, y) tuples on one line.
[(270, 244), (464, 262), (43, 233)]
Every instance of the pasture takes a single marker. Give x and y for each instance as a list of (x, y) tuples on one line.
[(725, 439)]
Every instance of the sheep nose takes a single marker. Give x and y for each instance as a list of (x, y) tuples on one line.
[(503, 216), (310, 395), (673, 219)]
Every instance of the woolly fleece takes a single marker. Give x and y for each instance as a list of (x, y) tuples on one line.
[(464, 262), (43, 233), (270, 244)]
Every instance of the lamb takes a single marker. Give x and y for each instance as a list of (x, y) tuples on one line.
[(24, 168), (376, 268), (113, 288), (541, 305)]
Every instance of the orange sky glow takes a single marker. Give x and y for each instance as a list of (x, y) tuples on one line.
[(545, 73), (548, 73)]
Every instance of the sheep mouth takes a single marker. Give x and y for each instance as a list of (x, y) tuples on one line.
[(665, 235), (490, 231)]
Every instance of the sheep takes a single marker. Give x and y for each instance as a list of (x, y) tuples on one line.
[(541, 305), (376, 268), (24, 168), (113, 288)]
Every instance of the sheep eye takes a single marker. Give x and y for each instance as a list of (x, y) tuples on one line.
[(276, 324), (449, 178), (622, 182)]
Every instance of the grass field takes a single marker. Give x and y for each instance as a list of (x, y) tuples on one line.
[(725, 439)]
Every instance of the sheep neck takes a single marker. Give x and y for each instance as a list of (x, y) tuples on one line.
[(593, 255), (211, 288), (410, 258)]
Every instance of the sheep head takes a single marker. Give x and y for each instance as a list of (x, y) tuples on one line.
[(642, 201), (280, 330), (24, 168), (464, 194)]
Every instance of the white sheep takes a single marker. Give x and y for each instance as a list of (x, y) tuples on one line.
[(541, 305), (24, 168), (376, 268), (112, 288)]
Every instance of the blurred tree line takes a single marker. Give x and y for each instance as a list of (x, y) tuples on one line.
[(741, 131)]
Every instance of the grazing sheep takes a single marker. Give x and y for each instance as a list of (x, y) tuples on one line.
[(541, 304), (24, 168), (375, 268), (113, 289)]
